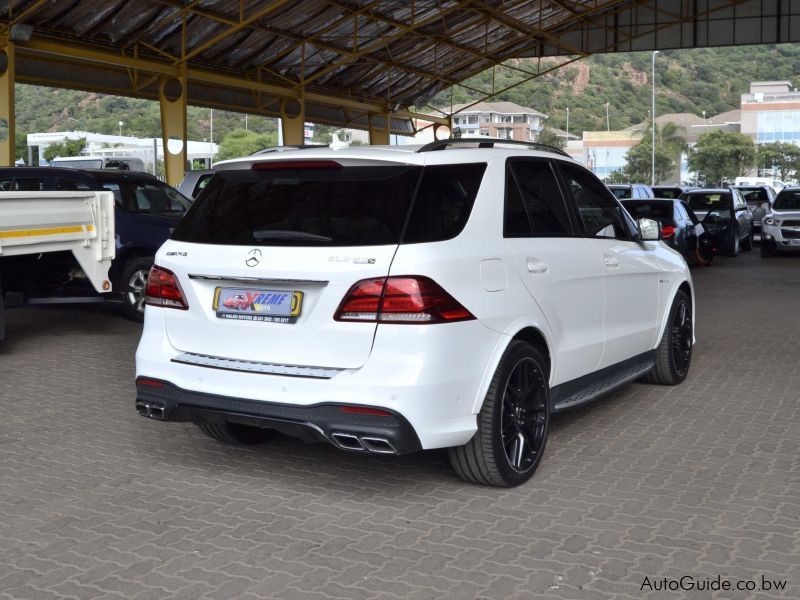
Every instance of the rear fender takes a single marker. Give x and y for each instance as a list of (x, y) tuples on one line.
[(502, 344)]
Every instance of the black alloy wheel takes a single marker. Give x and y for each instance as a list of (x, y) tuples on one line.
[(523, 415), (682, 338), (512, 424)]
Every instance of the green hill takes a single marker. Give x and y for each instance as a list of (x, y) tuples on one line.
[(687, 81)]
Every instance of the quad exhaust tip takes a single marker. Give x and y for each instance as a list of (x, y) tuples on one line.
[(368, 443), (152, 411)]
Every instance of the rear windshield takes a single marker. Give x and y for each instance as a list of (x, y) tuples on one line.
[(788, 201), (754, 195), (704, 202), (659, 211), (621, 192), (666, 192), (145, 196), (350, 206)]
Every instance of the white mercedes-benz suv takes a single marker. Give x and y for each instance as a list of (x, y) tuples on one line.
[(393, 299)]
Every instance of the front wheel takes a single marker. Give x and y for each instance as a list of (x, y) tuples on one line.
[(674, 352), (747, 245), (134, 282), (734, 246), (512, 424)]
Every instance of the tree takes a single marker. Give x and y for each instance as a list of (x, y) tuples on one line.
[(783, 157), (551, 138), (720, 155), (617, 176), (65, 148), (640, 158), (240, 142)]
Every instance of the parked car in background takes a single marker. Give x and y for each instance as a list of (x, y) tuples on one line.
[(146, 212), (725, 216), (120, 163), (445, 296), (670, 191), (194, 182), (680, 227), (781, 225), (631, 190), (759, 199)]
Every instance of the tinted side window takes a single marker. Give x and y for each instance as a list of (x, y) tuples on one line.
[(66, 184), (601, 215), (534, 204), (202, 182), (443, 203)]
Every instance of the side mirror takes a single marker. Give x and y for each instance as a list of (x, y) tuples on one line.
[(649, 230)]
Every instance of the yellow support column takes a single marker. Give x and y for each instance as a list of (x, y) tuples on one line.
[(172, 97), (293, 117), (379, 130), (8, 149)]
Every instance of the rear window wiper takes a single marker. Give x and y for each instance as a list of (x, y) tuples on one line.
[(287, 234)]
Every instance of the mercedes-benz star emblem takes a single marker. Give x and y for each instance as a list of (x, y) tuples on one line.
[(253, 257)]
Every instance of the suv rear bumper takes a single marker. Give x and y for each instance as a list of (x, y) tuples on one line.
[(387, 433)]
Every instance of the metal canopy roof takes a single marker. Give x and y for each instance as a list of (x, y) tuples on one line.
[(350, 58)]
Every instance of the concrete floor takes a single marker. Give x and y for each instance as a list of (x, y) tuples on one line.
[(702, 479)]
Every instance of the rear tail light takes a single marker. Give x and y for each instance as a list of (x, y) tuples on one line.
[(667, 231), (163, 289), (406, 299)]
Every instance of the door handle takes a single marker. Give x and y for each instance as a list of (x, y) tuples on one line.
[(611, 262), (536, 267)]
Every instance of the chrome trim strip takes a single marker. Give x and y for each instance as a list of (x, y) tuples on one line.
[(259, 280), (247, 366)]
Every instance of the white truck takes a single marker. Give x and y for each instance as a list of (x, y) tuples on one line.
[(34, 223)]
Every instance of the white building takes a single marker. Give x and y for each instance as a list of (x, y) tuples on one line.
[(504, 120), (99, 144)]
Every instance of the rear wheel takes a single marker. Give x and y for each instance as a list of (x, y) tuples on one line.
[(674, 353), (512, 424), (233, 433), (134, 282)]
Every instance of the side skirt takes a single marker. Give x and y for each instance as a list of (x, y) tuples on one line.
[(590, 387)]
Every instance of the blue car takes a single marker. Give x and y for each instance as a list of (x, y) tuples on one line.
[(146, 212)]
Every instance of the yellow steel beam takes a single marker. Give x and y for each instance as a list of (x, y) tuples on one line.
[(172, 95), (28, 12), (7, 122), (242, 24)]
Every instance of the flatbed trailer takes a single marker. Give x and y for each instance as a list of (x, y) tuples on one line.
[(34, 223)]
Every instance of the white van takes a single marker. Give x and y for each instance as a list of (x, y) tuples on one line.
[(120, 163), (775, 184)]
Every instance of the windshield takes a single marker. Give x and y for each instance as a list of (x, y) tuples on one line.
[(754, 195), (671, 193), (658, 211), (347, 206), (147, 196), (706, 201), (788, 200), (621, 192)]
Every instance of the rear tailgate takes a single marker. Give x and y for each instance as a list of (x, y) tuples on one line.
[(266, 255), (254, 327)]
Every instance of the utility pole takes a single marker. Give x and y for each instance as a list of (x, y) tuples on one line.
[(653, 125), (568, 122), (608, 121)]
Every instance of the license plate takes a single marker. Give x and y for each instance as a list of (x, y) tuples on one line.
[(252, 304), (794, 242)]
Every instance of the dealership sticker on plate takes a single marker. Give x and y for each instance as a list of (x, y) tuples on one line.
[(248, 304)]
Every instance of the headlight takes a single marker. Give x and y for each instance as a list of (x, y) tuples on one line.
[(772, 221)]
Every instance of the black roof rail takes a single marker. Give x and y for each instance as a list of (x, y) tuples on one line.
[(489, 143)]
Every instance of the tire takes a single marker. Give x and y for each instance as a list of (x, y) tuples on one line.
[(233, 433), (747, 245), (134, 284), (674, 352), (512, 427), (734, 249), (767, 250)]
